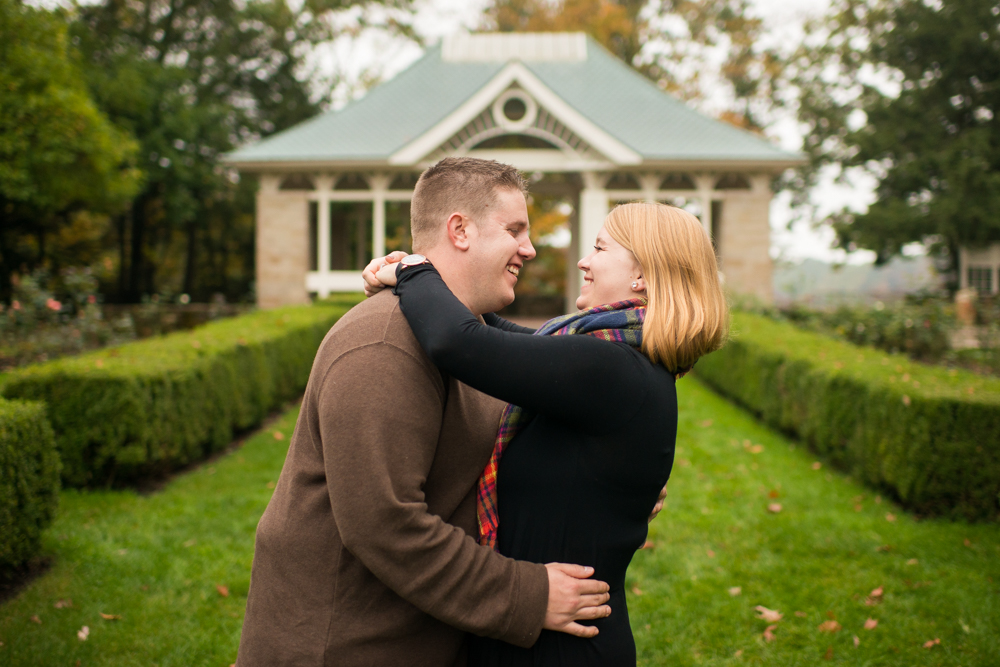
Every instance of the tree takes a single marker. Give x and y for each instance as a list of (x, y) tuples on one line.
[(59, 155), (192, 79), (676, 43), (908, 91)]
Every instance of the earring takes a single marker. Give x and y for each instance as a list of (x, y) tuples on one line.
[(635, 285)]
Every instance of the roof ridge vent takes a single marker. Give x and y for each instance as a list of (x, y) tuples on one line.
[(491, 47)]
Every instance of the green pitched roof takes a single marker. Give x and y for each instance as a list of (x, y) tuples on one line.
[(602, 88)]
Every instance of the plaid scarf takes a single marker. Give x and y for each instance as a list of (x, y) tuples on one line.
[(620, 321)]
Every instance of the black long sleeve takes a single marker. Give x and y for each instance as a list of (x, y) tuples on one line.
[(576, 484), (497, 322), (571, 378)]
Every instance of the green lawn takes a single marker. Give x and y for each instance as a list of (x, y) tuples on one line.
[(157, 562)]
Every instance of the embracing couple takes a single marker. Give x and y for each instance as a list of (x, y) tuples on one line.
[(463, 490)]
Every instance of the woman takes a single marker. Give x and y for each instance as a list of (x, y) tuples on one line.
[(587, 441)]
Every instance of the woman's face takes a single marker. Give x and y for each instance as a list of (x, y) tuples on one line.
[(608, 274)]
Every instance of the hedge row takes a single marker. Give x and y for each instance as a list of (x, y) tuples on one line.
[(29, 481), (929, 435), (144, 408)]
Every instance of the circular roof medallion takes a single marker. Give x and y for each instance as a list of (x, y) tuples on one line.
[(514, 110)]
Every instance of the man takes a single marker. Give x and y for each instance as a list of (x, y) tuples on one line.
[(366, 554)]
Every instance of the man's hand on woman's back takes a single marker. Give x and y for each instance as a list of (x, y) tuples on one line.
[(573, 597)]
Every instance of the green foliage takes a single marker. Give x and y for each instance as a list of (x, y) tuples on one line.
[(29, 481), (156, 560), (145, 408), (191, 80), (930, 137), (673, 42), (927, 434), (59, 154), (920, 328)]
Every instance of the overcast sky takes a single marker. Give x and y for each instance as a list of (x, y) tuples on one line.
[(784, 19)]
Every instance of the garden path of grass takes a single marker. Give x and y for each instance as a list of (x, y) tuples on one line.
[(159, 561)]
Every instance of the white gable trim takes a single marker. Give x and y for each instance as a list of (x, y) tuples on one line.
[(417, 150)]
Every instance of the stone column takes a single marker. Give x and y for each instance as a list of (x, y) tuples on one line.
[(380, 185), (705, 184), (324, 184), (282, 244), (593, 210), (573, 275), (746, 242)]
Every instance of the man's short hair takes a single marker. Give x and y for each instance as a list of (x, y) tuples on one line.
[(457, 184)]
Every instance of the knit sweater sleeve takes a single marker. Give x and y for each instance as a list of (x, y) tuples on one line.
[(577, 379), (377, 462)]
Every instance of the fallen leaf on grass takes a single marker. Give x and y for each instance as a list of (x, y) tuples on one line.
[(735, 655), (774, 508), (35, 619), (83, 633), (769, 615), (223, 590), (890, 517), (871, 624), (912, 561), (122, 552), (757, 449), (705, 424), (931, 642), (63, 604), (884, 547), (278, 435), (190, 543), (111, 617), (648, 545), (769, 633), (829, 626), (636, 590), (801, 614), (735, 590), (711, 554), (270, 485), (773, 493), (829, 653), (967, 542), (858, 508), (857, 642), (817, 465)]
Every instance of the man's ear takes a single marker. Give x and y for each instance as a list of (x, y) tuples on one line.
[(458, 231)]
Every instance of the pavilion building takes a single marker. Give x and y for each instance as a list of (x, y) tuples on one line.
[(335, 190)]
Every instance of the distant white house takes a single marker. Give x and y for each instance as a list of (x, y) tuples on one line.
[(335, 189), (979, 268)]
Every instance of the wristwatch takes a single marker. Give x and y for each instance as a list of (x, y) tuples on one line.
[(412, 260)]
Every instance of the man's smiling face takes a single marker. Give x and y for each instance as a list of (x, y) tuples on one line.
[(500, 248)]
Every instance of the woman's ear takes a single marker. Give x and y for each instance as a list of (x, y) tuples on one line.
[(638, 284), (458, 231)]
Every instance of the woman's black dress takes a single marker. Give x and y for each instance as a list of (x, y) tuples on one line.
[(578, 483)]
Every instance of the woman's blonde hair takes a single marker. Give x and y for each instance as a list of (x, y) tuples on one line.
[(687, 315)]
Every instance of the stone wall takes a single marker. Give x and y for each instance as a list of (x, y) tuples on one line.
[(746, 241), (282, 245)]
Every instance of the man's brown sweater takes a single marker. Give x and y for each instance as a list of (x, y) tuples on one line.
[(364, 554)]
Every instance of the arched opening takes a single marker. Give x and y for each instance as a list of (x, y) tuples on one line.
[(732, 182), (297, 182), (514, 141), (404, 181), (677, 182), (622, 181), (351, 181)]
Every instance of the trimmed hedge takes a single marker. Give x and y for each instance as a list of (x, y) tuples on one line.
[(929, 435), (29, 481), (144, 408)]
